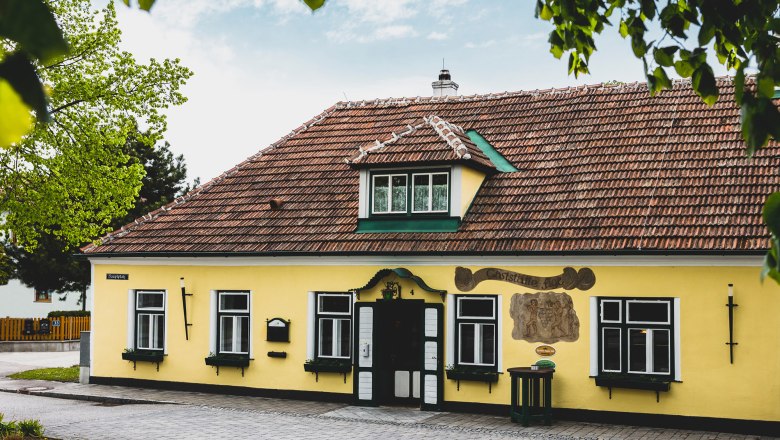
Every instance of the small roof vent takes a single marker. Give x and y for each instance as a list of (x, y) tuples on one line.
[(276, 203)]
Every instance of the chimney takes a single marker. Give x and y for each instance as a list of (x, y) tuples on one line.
[(445, 86)]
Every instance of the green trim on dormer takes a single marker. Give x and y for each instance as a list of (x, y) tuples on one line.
[(406, 224), (497, 158)]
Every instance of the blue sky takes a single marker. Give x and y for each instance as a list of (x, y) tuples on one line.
[(263, 67)]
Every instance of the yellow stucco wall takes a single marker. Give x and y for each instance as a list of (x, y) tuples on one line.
[(711, 387), (470, 184)]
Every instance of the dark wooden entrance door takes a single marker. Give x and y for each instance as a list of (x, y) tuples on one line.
[(399, 352)]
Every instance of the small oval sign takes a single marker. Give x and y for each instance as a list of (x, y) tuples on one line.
[(545, 350)]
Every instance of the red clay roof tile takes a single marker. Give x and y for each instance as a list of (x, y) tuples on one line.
[(601, 169)]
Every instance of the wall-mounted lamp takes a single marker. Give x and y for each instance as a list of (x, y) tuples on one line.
[(184, 295), (731, 306), (392, 290)]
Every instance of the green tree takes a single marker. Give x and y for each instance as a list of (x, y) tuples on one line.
[(52, 265), (71, 177), (164, 178)]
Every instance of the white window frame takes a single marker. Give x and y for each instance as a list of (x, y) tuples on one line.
[(672, 326), (479, 325), (389, 193), (649, 355), (335, 337), (430, 192), (620, 349), (477, 298), (340, 295), (235, 315), (337, 317), (638, 301), (478, 332), (620, 311), (231, 293), (153, 323)]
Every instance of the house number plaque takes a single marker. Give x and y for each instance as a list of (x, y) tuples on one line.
[(545, 350), (117, 276), (571, 278)]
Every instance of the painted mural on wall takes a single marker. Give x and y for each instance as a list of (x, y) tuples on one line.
[(547, 317), (571, 278)]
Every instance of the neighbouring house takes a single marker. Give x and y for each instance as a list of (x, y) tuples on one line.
[(20, 301), (412, 250)]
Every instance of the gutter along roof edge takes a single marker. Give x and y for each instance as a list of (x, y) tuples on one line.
[(616, 253)]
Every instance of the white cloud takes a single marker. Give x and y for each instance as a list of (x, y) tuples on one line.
[(348, 33), (442, 10), (437, 36), (394, 32), (381, 11), (528, 40), (482, 45), (188, 13)]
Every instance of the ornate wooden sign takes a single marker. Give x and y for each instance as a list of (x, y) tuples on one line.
[(571, 278), (546, 317), (545, 350)]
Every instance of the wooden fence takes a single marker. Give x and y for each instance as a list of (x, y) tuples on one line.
[(69, 328)]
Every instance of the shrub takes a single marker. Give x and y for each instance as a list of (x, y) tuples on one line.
[(31, 428), (67, 313), (7, 429)]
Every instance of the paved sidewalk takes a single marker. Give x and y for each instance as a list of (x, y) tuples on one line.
[(308, 417), (13, 362)]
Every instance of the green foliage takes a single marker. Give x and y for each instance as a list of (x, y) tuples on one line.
[(68, 313), (147, 4), (742, 34), (31, 428), (314, 4), (61, 374), (71, 178), (52, 265), (164, 178), (7, 429), (29, 32)]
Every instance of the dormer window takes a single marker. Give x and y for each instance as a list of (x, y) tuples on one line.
[(410, 193), (422, 178), (389, 194), (430, 192)]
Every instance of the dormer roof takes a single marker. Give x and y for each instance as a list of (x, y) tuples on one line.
[(431, 140)]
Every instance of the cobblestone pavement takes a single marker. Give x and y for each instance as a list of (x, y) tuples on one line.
[(75, 411), (72, 419), (124, 412)]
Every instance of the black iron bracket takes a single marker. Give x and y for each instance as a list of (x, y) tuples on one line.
[(187, 325), (731, 342)]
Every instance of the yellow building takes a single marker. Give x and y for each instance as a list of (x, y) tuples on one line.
[(412, 250)]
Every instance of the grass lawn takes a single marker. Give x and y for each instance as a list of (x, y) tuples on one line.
[(62, 374)]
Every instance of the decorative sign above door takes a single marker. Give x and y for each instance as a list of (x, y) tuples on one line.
[(546, 317), (570, 279)]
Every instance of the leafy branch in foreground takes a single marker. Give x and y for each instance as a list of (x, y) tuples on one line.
[(71, 177), (742, 34)]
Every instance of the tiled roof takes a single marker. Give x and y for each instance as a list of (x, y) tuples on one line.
[(432, 140), (602, 169)]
